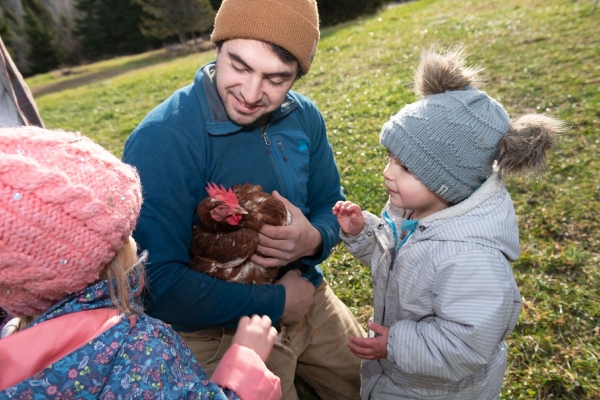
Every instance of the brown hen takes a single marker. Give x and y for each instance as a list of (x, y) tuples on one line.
[(228, 234)]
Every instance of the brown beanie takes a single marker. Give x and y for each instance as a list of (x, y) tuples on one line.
[(291, 24)]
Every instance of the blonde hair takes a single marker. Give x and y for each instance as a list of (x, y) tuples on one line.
[(125, 264)]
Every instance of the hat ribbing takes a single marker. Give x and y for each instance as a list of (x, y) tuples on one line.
[(66, 207), (290, 24)]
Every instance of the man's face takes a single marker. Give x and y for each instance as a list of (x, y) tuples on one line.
[(251, 80)]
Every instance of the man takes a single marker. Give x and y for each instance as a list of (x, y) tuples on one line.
[(240, 122)]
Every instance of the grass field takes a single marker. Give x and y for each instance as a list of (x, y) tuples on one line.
[(540, 56)]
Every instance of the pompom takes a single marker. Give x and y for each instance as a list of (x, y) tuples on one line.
[(439, 72), (523, 149)]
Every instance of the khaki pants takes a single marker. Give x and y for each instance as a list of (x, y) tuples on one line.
[(316, 350)]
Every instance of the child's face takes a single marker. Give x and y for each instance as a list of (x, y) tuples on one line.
[(407, 192)]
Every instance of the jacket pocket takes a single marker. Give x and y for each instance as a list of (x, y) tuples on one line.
[(292, 153)]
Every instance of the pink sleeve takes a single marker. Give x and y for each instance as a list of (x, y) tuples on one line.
[(242, 371)]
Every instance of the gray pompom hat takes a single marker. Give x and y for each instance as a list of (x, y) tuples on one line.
[(449, 140)]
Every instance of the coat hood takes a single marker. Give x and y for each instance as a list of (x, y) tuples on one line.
[(463, 222)]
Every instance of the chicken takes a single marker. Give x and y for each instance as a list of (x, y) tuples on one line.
[(228, 234)]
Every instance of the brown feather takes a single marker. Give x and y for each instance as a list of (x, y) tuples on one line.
[(222, 250), (262, 208)]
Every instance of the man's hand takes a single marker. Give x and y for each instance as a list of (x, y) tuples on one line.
[(256, 333), (281, 245), (349, 217), (299, 294), (371, 348)]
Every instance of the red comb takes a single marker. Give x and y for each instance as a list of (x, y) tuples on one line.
[(221, 193)]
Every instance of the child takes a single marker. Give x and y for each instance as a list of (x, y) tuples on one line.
[(444, 294), (69, 269)]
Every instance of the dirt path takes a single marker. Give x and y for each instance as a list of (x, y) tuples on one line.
[(86, 79), (80, 81)]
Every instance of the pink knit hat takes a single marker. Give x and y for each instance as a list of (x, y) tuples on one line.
[(66, 207)]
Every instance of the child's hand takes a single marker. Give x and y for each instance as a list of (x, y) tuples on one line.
[(349, 217), (256, 334), (371, 348)]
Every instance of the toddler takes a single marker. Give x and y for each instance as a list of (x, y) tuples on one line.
[(69, 269), (445, 298)]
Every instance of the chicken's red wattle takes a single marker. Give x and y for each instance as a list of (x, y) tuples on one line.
[(234, 219)]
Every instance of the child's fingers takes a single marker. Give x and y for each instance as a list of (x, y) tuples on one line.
[(337, 207), (264, 321), (362, 342), (344, 205), (265, 327), (272, 336), (243, 323), (358, 348), (260, 324), (257, 325), (257, 334), (352, 208), (375, 327), (371, 348)]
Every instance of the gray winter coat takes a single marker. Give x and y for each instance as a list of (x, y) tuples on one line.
[(449, 301)]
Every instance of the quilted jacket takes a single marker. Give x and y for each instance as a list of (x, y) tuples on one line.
[(448, 296)]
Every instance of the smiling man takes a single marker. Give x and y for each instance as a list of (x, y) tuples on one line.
[(250, 81), (240, 122)]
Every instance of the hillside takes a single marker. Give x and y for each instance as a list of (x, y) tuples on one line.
[(58, 9), (539, 55)]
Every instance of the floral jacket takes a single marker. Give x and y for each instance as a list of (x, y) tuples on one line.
[(146, 359)]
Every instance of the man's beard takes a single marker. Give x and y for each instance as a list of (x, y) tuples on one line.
[(226, 95)]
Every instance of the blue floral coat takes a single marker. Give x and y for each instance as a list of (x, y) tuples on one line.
[(147, 360)]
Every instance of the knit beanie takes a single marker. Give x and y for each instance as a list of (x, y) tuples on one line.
[(67, 205), (290, 24), (448, 139)]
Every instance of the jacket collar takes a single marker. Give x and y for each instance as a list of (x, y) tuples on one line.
[(213, 110), (487, 190), (92, 297)]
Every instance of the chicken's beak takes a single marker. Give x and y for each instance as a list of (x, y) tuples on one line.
[(236, 216), (239, 210)]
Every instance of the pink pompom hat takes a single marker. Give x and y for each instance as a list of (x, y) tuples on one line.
[(66, 207)]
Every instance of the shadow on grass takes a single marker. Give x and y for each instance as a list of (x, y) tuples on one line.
[(304, 390), (556, 389)]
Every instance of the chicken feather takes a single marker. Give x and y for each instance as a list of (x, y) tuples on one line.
[(225, 240)]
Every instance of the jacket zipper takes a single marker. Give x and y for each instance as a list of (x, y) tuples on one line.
[(275, 164), (280, 145), (266, 139)]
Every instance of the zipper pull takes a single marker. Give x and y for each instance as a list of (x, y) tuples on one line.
[(281, 149), (266, 139)]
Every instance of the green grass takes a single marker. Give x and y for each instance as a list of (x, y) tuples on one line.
[(539, 56)]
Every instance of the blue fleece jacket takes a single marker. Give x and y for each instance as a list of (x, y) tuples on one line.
[(188, 141)]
